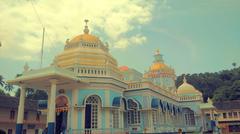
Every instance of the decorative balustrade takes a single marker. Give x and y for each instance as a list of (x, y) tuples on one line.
[(146, 84), (100, 131)]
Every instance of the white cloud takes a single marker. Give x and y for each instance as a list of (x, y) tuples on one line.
[(133, 40), (21, 31)]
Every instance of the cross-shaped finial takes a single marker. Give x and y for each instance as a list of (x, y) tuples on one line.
[(86, 21)]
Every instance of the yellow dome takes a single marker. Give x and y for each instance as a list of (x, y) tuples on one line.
[(86, 38), (187, 89), (157, 66)]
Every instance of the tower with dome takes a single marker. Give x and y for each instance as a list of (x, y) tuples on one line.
[(89, 93)]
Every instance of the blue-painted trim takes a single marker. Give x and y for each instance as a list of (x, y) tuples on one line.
[(117, 99), (19, 128), (51, 126), (155, 103)]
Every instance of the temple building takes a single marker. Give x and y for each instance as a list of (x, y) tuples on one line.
[(89, 93)]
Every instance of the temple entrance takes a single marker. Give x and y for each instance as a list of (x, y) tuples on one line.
[(91, 113), (61, 115), (88, 110)]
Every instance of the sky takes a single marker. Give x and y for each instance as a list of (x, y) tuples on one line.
[(193, 36)]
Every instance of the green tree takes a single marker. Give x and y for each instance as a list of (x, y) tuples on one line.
[(234, 64), (2, 83), (222, 94), (8, 87), (3, 93), (235, 91), (220, 85)]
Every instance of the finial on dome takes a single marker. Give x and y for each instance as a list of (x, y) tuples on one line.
[(158, 57), (26, 67), (86, 30), (157, 52), (184, 79)]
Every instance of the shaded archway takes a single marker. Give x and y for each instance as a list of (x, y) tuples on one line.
[(62, 107), (92, 112), (134, 115), (189, 116)]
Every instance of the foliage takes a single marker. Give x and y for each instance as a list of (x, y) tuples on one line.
[(220, 86), (33, 94), (8, 87), (30, 93), (2, 82), (38, 95), (3, 93)]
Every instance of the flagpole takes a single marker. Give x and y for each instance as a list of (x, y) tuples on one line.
[(42, 47)]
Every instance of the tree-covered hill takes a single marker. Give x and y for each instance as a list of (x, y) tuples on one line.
[(220, 86)]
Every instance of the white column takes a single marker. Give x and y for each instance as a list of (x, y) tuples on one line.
[(48, 105), (21, 105), (19, 125), (52, 107), (150, 121), (74, 112)]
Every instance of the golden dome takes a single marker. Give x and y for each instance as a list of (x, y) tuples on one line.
[(85, 37), (157, 66), (187, 89)]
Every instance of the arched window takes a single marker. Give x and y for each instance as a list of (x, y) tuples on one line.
[(93, 104), (189, 118), (133, 113)]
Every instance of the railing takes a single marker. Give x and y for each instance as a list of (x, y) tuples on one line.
[(157, 129), (146, 84), (100, 131), (193, 128), (228, 118)]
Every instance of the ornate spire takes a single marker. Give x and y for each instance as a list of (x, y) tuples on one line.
[(184, 79), (86, 30), (158, 57), (157, 52)]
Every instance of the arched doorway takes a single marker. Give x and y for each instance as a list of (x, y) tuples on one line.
[(62, 107), (92, 109)]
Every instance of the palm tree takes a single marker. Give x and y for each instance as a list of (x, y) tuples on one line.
[(2, 83), (8, 87)]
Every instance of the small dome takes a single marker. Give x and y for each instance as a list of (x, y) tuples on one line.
[(187, 89), (86, 38), (123, 68)]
